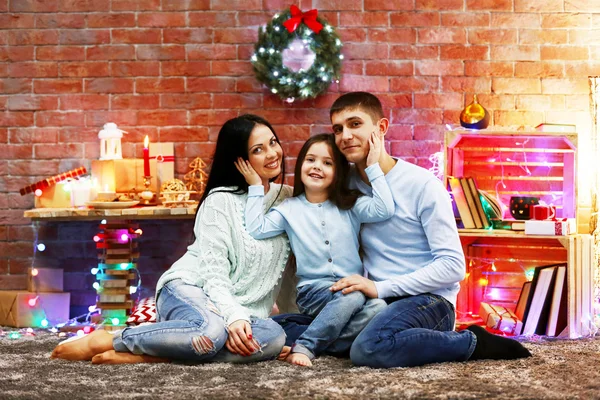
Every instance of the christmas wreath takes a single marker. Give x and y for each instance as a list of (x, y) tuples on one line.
[(320, 41)]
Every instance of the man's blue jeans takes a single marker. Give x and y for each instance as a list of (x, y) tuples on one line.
[(338, 318), (412, 331), (190, 328)]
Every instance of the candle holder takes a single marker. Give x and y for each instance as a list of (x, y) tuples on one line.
[(147, 197)]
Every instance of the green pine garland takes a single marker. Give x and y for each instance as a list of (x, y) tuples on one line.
[(268, 63)]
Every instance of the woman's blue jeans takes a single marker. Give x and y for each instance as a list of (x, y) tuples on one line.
[(190, 328)]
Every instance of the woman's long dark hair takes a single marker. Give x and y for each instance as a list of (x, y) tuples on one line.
[(338, 192), (232, 143)]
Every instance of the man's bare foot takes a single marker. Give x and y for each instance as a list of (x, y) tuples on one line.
[(285, 352), (115, 357), (84, 348), (299, 359)]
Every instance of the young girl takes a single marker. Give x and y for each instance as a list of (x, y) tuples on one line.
[(323, 221)]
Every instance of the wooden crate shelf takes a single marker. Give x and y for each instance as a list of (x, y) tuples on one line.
[(540, 164), (512, 254), (509, 163)]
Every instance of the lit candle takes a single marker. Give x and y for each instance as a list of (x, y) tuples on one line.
[(146, 157), (106, 194)]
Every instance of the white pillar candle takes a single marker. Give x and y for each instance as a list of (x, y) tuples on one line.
[(80, 192)]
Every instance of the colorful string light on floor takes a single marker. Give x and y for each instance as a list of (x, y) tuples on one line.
[(78, 325)]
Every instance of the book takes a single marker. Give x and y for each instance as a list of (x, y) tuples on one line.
[(522, 302), (545, 127), (471, 203), (491, 205), (478, 204), (461, 202), (557, 319), (545, 312), (517, 225), (508, 224), (537, 297), (587, 283)]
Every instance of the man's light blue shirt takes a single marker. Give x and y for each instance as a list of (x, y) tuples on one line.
[(418, 250)]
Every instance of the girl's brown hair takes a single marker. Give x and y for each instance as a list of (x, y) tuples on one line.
[(338, 192)]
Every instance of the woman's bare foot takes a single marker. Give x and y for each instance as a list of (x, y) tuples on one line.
[(84, 348), (285, 352), (299, 359), (115, 357)]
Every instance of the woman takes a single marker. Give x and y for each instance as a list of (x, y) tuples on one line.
[(213, 302)]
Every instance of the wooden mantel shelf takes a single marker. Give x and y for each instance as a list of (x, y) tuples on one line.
[(94, 214)]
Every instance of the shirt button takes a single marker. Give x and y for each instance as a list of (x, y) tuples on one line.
[(327, 242), (320, 205), (323, 223), (330, 260)]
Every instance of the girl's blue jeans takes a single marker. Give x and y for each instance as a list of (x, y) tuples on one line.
[(190, 328), (338, 318)]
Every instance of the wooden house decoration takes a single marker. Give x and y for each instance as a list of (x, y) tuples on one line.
[(110, 142), (196, 178)]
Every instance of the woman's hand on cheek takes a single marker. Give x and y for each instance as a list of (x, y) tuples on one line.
[(248, 172)]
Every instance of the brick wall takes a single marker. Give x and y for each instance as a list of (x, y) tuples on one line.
[(176, 69)]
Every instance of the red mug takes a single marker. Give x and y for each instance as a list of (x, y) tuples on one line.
[(543, 212)]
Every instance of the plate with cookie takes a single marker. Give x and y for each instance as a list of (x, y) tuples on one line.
[(112, 204)]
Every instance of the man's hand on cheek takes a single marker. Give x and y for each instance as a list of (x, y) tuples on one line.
[(355, 283)]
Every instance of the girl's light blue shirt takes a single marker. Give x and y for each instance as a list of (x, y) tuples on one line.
[(323, 238)]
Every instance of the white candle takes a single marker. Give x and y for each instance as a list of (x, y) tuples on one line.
[(106, 196), (80, 192)]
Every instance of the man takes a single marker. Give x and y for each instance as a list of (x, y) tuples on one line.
[(414, 260)]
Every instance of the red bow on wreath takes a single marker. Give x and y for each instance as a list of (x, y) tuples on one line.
[(309, 18)]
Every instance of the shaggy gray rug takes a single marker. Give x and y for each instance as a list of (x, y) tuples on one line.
[(559, 369)]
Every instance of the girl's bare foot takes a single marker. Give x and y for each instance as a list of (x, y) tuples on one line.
[(285, 352), (84, 348), (299, 359), (115, 357)]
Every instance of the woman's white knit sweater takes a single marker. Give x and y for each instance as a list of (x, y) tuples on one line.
[(238, 273)]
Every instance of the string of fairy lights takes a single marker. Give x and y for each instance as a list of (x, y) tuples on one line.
[(84, 321), (489, 264)]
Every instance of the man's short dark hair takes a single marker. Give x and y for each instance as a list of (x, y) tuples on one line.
[(362, 101)]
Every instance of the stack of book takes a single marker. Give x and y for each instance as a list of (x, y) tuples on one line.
[(542, 305), (478, 209), (468, 203)]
